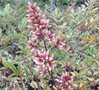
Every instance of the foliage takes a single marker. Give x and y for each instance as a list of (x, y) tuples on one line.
[(77, 25), (82, 35)]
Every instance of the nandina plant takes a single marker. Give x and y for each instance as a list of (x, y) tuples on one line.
[(43, 41)]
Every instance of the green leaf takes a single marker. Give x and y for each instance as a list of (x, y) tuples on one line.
[(22, 24), (7, 8), (90, 79), (12, 67), (96, 73)]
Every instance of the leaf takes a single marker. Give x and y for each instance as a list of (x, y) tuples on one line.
[(73, 73), (22, 24), (90, 79), (7, 8), (34, 84), (12, 67), (96, 73), (60, 53), (26, 70), (84, 71), (92, 38)]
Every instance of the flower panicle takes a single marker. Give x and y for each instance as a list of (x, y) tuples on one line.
[(38, 25), (66, 80), (36, 20)]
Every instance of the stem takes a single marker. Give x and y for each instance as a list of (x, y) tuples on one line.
[(38, 84), (45, 45), (51, 49), (21, 82)]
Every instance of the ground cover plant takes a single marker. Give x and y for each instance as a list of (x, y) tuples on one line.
[(45, 49)]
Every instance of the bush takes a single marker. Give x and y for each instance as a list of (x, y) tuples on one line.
[(62, 52)]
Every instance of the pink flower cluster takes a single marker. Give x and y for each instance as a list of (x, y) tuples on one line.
[(33, 44), (38, 25), (36, 21), (44, 62), (67, 81), (42, 37)]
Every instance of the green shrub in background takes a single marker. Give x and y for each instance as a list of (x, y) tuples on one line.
[(8, 22), (59, 3), (7, 17), (13, 21), (80, 28)]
